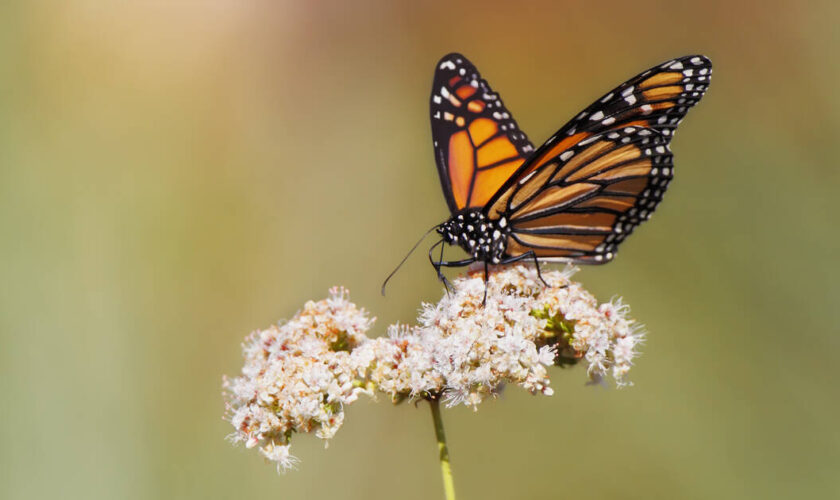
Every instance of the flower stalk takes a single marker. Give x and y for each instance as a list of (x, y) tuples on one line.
[(443, 451)]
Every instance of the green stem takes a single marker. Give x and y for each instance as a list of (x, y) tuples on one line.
[(445, 468)]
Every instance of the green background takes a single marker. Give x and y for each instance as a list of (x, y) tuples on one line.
[(175, 175)]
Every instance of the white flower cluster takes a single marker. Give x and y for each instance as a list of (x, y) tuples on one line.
[(298, 376)]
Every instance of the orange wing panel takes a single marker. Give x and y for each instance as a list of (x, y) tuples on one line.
[(497, 150), (482, 129), (461, 166), (487, 182)]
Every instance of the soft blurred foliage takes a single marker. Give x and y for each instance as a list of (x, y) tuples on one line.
[(176, 174)]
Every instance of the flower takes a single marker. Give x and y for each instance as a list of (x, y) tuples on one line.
[(299, 376)]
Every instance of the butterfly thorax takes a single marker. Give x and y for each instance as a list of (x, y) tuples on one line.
[(483, 238)]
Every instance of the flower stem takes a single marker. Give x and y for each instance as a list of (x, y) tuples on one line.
[(445, 468)]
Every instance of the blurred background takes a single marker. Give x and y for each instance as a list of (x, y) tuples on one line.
[(175, 175)]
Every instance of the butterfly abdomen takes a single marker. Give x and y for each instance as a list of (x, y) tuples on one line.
[(483, 238)]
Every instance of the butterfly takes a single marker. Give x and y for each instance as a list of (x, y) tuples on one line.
[(575, 198)]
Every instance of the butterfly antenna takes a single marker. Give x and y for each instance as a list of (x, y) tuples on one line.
[(406, 257)]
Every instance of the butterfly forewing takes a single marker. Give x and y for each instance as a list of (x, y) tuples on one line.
[(656, 99), (478, 145)]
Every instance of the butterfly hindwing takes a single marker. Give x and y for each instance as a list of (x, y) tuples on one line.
[(478, 145), (580, 205)]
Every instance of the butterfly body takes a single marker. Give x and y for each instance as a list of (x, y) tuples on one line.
[(483, 238)]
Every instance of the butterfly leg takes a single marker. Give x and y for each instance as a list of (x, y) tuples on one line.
[(486, 274), (442, 277), (437, 265), (527, 255), (455, 263)]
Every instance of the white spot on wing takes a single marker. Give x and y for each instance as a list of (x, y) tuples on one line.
[(525, 179), (589, 139)]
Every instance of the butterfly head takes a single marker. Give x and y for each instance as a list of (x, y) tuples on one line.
[(484, 239)]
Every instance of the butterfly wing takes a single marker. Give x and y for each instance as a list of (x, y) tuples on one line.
[(657, 99), (579, 207), (588, 187), (478, 145)]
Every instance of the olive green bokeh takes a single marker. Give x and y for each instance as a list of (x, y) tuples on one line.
[(174, 176)]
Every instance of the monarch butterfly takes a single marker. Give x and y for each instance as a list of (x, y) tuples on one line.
[(576, 197)]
